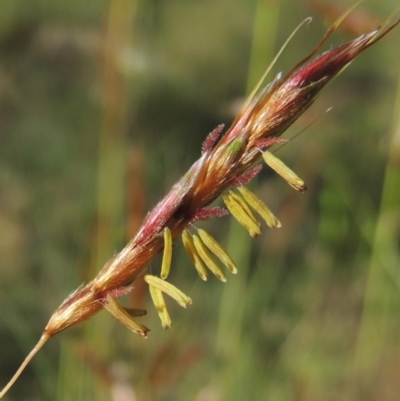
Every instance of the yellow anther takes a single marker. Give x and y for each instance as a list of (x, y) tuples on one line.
[(122, 316), (159, 302), (284, 171), (240, 214), (217, 250), (169, 289), (245, 206), (193, 254), (260, 207), (167, 255), (208, 259)]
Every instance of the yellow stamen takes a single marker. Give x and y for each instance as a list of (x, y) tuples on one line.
[(284, 171), (167, 255), (122, 316), (240, 214), (217, 250), (159, 303), (260, 207), (208, 259), (194, 256), (169, 289), (245, 206)]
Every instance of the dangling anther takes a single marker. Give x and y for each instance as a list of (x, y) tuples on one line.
[(159, 302), (217, 250), (122, 316), (240, 213), (169, 289), (260, 207), (284, 171), (167, 255), (208, 259), (194, 255)]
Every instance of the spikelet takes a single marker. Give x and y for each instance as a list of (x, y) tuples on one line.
[(284, 171), (167, 254), (217, 250), (208, 259), (193, 254), (260, 207)]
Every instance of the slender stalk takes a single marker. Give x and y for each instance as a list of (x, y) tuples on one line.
[(45, 337)]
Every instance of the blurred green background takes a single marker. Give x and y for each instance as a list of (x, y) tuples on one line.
[(103, 105)]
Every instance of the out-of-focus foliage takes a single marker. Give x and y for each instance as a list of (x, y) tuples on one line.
[(103, 105)]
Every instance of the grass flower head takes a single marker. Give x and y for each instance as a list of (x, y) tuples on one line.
[(227, 163)]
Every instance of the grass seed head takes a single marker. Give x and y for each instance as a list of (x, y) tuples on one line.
[(226, 161)]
